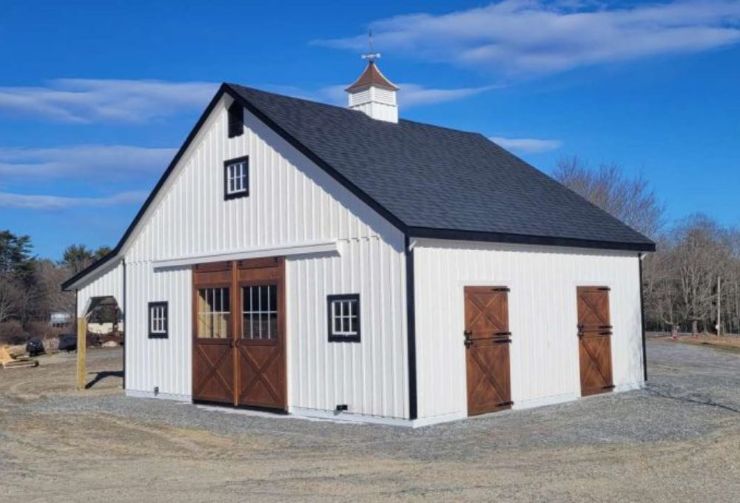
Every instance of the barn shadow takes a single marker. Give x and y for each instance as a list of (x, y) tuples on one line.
[(104, 374)]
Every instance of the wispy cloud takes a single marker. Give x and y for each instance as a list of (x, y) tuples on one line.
[(409, 95), (43, 202), (98, 100), (527, 145), (113, 162), (537, 36)]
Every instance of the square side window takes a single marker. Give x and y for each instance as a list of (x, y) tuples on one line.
[(343, 313)]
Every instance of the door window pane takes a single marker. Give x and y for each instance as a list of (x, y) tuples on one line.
[(260, 312), (214, 313)]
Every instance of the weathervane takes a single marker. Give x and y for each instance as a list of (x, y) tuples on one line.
[(370, 56)]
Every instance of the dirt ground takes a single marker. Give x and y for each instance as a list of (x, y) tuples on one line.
[(677, 440)]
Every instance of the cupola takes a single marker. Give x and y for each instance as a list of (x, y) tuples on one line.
[(373, 94)]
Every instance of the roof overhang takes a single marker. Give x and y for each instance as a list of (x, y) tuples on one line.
[(92, 272), (500, 237)]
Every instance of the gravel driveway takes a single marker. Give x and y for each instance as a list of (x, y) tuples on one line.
[(677, 440)]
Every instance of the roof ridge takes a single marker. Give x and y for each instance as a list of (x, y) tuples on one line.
[(349, 110)]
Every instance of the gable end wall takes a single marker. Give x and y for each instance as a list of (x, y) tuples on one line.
[(291, 201)]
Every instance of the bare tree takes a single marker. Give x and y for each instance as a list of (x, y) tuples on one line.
[(631, 200), (680, 280)]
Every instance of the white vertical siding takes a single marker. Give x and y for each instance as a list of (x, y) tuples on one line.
[(370, 376), (164, 363), (542, 318), (291, 201), (109, 283)]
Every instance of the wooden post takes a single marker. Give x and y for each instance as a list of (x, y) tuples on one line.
[(81, 352)]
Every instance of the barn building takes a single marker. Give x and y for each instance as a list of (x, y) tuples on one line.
[(322, 261)]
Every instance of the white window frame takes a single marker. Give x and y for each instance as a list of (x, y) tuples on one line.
[(158, 322), (342, 310), (236, 178)]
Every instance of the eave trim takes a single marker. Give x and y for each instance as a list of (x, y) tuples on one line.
[(500, 237)]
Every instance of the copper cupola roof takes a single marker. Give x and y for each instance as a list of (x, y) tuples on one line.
[(371, 77)]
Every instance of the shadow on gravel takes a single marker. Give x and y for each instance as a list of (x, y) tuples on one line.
[(99, 376)]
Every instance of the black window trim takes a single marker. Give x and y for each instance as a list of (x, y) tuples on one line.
[(343, 338), (234, 129), (158, 335), (227, 163)]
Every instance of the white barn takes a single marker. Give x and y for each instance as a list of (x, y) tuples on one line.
[(320, 260)]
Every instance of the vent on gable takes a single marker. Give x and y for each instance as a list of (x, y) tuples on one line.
[(236, 120)]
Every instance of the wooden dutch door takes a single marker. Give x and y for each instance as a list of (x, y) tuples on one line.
[(594, 340), (487, 340)]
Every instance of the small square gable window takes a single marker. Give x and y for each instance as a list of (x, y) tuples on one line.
[(236, 178), (236, 120)]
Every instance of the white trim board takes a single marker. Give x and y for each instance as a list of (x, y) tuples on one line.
[(308, 248), (134, 393)]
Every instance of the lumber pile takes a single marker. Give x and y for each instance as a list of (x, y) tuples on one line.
[(8, 361)]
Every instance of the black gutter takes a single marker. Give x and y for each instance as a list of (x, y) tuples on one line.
[(411, 328), (501, 237), (642, 322)]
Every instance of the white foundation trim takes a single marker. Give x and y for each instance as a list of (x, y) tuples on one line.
[(163, 396), (347, 417), (445, 418), (308, 248), (546, 400), (629, 386)]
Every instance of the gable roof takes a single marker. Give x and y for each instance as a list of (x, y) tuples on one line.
[(427, 180), (442, 182)]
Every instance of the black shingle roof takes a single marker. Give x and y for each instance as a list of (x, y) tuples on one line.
[(427, 180), (435, 180)]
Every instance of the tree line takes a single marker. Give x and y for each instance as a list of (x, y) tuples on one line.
[(692, 282), (30, 287)]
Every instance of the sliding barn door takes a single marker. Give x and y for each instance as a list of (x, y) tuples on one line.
[(239, 333), (594, 340)]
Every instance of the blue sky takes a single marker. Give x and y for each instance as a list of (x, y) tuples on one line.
[(96, 96)]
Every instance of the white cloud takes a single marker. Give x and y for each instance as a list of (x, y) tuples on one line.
[(527, 145), (409, 95), (98, 100), (43, 202), (535, 36), (108, 162)]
